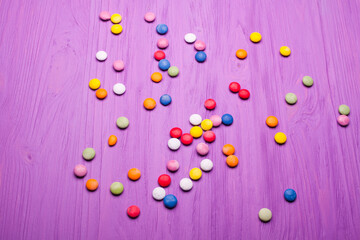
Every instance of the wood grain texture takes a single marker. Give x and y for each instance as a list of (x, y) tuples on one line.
[(48, 115)]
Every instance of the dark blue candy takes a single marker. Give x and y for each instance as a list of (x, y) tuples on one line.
[(170, 201), (290, 195), (161, 29), (165, 99), (200, 56), (227, 119), (164, 64)]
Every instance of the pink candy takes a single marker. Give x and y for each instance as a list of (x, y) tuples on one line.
[(216, 120), (105, 16), (202, 149), (118, 65), (172, 165), (343, 120), (80, 170), (149, 17), (162, 43), (199, 45)]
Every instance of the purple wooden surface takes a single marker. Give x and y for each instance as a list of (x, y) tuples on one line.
[(49, 115)]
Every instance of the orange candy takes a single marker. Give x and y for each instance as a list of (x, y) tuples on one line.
[(112, 140), (232, 161), (101, 93), (134, 174), (272, 121), (156, 77), (228, 149), (92, 184), (241, 53), (149, 103)]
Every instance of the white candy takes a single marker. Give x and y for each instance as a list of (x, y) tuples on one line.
[(265, 214), (186, 184), (174, 143), (206, 165), (195, 119), (119, 88), (101, 55), (158, 193), (190, 37)]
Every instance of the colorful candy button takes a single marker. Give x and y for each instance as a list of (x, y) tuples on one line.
[(101, 56), (232, 161), (241, 54), (172, 165), (158, 193), (272, 121), (116, 29), (265, 215), (202, 149), (92, 184), (116, 188), (80, 170), (116, 18), (216, 120), (244, 94), (175, 132), (134, 174), (94, 83), (173, 71), (164, 64), (290, 98), (200, 56), (210, 104), (122, 122), (209, 136), (174, 144), (133, 211), (149, 16), (149, 103), (199, 45), (195, 119), (186, 139), (190, 37), (118, 65), (195, 174), (228, 149), (170, 201), (206, 165), (112, 140), (161, 29), (206, 124), (308, 81), (119, 88), (162, 43), (234, 87), (105, 16), (280, 138), (255, 37), (344, 109), (186, 184), (290, 195), (101, 93), (156, 77), (196, 132), (165, 99), (343, 120), (164, 180), (285, 51), (227, 119), (88, 154), (158, 55)]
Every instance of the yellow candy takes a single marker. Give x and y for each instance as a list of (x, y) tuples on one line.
[(280, 138), (206, 124), (196, 132), (255, 37), (285, 51), (195, 173), (116, 18), (94, 83), (116, 29)]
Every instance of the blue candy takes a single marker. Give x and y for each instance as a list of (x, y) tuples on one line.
[(161, 29), (170, 201), (290, 195), (200, 56), (164, 64), (227, 119), (165, 99)]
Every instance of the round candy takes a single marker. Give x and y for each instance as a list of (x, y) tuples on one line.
[(234, 87), (172, 165), (202, 149), (173, 71), (94, 83), (195, 119), (122, 122), (280, 138), (271, 121), (116, 29), (210, 104), (200, 45), (186, 184), (241, 54), (116, 188), (92, 184), (101, 93), (175, 132), (165, 99), (290, 98), (149, 17), (190, 37), (101, 55), (216, 120), (244, 94), (255, 37), (344, 109), (149, 103), (206, 124), (162, 43), (156, 77), (343, 120), (228, 149), (158, 55), (116, 18), (209, 136), (200, 56), (80, 170), (186, 139), (206, 165), (196, 132), (134, 174), (290, 195), (227, 119), (164, 180), (161, 29), (265, 215), (285, 51), (232, 161), (174, 144), (88, 154), (195, 173), (164, 64), (119, 88), (170, 201), (158, 193), (133, 211), (112, 140), (308, 81), (105, 16), (118, 65)]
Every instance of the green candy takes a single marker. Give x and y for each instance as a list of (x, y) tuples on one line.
[(173, 71), (116, 188), (291, 98), (122, 122), (308, 81), (88, 154), (344, 109)]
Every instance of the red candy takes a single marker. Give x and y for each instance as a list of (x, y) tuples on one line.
[(133, 211), (244, 94), (210, 104), (158, 55), (175, 132), (234, 87), (209, 136), (164, 180), (186, 139)]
